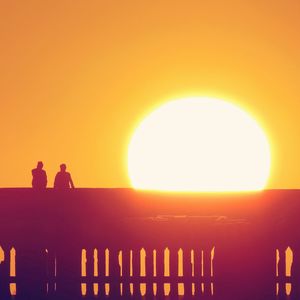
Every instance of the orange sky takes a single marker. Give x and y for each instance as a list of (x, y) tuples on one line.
[(76, 77)]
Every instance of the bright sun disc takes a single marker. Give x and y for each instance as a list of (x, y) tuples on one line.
[(199, 144)]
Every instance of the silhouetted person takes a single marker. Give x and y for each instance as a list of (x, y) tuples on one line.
[(63, 179), (39, 177)]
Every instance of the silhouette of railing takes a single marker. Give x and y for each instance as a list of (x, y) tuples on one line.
[(118, 243)]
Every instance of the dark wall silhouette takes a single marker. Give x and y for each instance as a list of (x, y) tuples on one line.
[(228, 243)]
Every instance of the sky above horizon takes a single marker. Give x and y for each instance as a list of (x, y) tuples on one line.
[(77, 77)]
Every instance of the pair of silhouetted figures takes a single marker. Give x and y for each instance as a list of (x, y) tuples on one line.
[(62, 180)]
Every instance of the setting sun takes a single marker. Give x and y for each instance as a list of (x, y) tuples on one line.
[(199, 144)]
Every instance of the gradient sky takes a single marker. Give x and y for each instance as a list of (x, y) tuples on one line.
[(76, 77)]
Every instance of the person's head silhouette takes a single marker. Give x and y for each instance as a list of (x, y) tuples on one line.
[(40, 165), (63, 167)]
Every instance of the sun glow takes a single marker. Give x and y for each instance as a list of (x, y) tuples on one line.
[(199, 144)]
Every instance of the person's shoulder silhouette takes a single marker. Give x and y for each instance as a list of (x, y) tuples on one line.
[(63, 179), (39, 177)]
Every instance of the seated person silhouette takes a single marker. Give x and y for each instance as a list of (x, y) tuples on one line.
[(63, 180), (39, 177)]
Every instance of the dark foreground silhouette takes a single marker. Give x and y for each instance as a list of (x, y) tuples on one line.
[(122, 244)]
